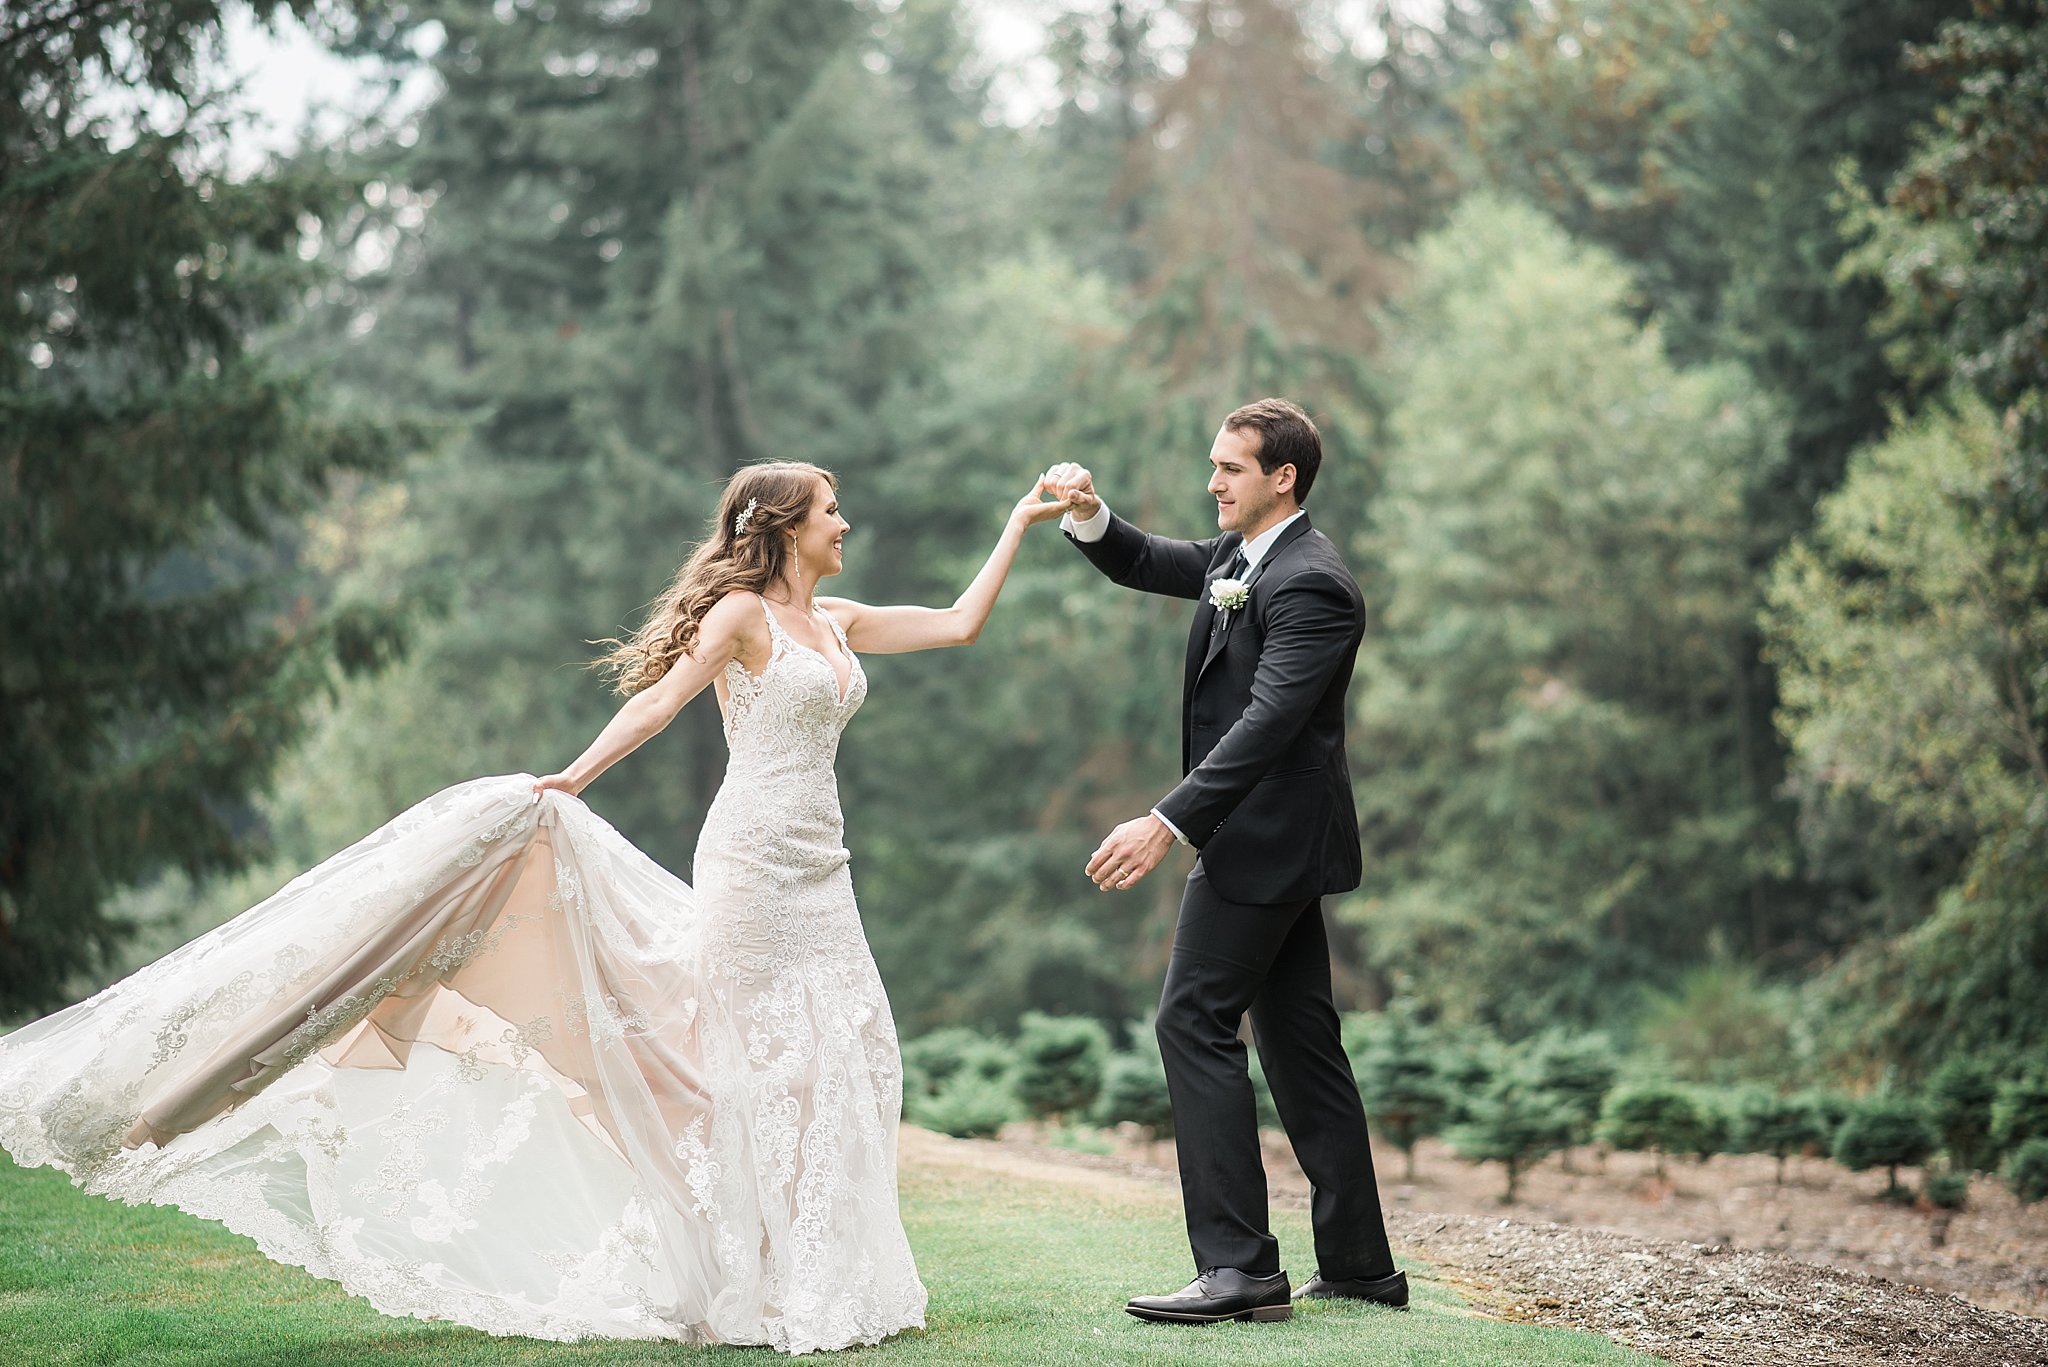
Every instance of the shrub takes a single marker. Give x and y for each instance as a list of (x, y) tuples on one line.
[(1363, 1031), (1887, 1133), (1060, 1063), (1651, 1117), (931, 1061), (1513, 1122), (1400, 1080), (1134, 1089), (1579, 1071), (1961, 1095), (1779, 1126), (1715, 1132), (1134, 1086), (967, 1106), (1834, 1111), (1947, 1188), (2027, 1171), (2020, 1113), (1468, 1067)]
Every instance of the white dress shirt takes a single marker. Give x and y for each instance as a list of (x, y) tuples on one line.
[(1253, 551)]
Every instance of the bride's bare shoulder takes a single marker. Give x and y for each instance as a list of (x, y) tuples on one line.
[(843, 610), (735, 621)]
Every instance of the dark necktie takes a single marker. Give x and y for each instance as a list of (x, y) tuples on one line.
[(1235, 569)]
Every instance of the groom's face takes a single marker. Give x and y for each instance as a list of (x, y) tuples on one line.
[(1248, 500)]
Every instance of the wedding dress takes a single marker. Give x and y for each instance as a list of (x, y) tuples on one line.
[(494, 1065)]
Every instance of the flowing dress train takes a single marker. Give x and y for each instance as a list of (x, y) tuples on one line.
[(494, 1065)]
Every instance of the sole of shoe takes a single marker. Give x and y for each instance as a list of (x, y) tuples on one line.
[(1261, 1314), (1357, 1300)]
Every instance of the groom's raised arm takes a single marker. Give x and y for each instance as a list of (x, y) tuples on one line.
[(1140, 560)]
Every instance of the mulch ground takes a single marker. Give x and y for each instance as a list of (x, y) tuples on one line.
[(1714, 1302)]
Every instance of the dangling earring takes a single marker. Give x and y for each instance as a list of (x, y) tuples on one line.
[(796, 562)]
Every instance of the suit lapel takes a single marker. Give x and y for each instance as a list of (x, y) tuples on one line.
[(1201, 641), (1214, 643)]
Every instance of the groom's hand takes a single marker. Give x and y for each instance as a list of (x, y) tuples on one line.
[(1033, 508), (1074, 486), (1132, 850)]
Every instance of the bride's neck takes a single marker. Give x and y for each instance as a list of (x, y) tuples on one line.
[(799, 591)]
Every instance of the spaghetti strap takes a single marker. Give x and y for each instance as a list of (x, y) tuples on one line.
[(777, 633)]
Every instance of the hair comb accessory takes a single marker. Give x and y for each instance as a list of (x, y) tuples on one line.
[(739, 524)]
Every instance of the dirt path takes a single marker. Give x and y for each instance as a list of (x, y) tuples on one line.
[(1688, 1303)]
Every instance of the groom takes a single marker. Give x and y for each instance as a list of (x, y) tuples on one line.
[(1266, 799)]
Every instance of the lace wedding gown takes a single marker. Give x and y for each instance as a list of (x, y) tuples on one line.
[(494, 1065)]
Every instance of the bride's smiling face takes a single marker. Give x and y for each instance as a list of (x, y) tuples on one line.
[(820, 536)]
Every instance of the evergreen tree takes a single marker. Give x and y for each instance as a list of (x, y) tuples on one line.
[(1962, 1094), (1960, 244), (1651, 1116), (2020, 1113), (1964, 248), (1550, 704), (1060, 1063), (1716, 1128), (1887, 1134), (1579, 1071), (932, 1061), (2027, 1171), (1702, 142), (968, 1107), (1779, 1126), (1900, 629), (1134, 1086), (160, 649), (1514, 1122), (630, 252), (1401, 1082)]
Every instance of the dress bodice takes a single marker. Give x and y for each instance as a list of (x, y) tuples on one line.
[(786, 720), (776, 821)]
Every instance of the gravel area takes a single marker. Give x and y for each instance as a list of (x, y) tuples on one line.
[(1709, 1304)]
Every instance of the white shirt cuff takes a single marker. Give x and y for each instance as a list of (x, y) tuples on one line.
[(1094, 529), (1178, 837)]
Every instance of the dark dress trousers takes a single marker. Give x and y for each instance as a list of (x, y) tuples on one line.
[(1266, 798)]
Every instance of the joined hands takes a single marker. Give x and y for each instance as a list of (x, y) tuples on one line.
[(1060, 490)]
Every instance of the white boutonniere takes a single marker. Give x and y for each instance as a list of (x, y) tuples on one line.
[(1229, 594)]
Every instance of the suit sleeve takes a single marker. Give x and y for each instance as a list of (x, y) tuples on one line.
[(1309, 626), (1151, 564)]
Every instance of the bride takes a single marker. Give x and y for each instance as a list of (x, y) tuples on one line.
[(494, 1065)]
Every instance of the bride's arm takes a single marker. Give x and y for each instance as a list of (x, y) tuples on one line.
[(897, 629), (722, 635)]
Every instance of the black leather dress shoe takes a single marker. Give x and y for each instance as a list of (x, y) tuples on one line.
[(1391, 1289), (1221, 1293)]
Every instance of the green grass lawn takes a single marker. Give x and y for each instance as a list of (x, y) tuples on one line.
[(1025, 1265)]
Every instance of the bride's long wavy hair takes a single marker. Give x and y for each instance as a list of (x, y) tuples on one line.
[(774, 498)]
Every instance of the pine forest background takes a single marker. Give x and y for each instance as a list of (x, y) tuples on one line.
[(1680, 364)]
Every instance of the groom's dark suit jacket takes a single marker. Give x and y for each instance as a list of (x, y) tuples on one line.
[(1266, 792)]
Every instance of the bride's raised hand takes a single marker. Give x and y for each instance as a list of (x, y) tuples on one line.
[(1034, 507)]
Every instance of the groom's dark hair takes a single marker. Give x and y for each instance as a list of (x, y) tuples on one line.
[(1286, 437)]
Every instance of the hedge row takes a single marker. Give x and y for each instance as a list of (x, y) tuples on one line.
[(1510, 1104)]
